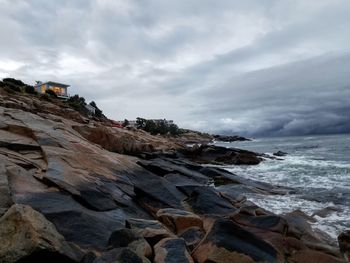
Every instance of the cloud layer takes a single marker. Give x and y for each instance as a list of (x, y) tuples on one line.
[(251, 67)]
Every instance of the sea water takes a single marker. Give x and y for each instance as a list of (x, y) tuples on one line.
[(317, 167)]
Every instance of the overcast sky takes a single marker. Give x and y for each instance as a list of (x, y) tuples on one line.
[(253, 67)]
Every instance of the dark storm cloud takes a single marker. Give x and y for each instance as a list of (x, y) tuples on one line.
[(252, 67)]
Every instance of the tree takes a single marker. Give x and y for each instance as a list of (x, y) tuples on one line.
[(77, 103), (13, 81), (126, 123), (98, 112), (174, 129), (140, 123), (30, 89)]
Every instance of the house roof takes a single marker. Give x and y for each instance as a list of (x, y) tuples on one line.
[(54, 84)]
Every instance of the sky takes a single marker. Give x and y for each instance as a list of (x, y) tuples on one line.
[(253, 67)]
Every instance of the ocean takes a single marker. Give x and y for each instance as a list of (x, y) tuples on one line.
[(317, 167)]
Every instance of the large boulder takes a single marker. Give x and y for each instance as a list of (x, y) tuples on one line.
[(129, 238), (204, 200), (192, 237), (171, 250), (152, 230), (211, 154), (178, 220), (120, 255), (228, 242), (27, 235)]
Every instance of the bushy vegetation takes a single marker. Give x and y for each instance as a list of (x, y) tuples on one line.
[(51, 93), (30, 90), (157, 127), (77, 103), (12, 85), (98, 112), (16, 85), (16, 82), (125, 123)]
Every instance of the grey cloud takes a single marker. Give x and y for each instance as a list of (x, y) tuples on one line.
[(252, 67)]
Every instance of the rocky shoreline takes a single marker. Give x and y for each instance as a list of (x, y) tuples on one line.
[(74, 189)]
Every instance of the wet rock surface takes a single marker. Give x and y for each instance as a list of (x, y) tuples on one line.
[(211, 154), (67, 195), (344, 244)]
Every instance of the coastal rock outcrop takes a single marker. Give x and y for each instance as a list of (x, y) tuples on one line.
[(67, 197), (230, 138), (211, 154)]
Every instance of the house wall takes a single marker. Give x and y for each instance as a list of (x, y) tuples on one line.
[(58, 90), (41, 88)]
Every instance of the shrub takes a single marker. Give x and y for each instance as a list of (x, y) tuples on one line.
[(126, 123), (30, 89), (15, 82), (45, 97), (77, 103), (51, 93), (157, 127), (13, 87), (98, 112)]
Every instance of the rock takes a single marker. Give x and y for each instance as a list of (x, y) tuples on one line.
[(344, 244), (299, 227), (86, 228), (204, 200), (271, 223), (154, 193), (311, 256), (120, 255), (178, 220), (228, 138), (280, 153), (153, 231), (211, 154), (27, 235), (129, 238), (5, 193), (171, 250), (228, 242), (89, 257), (179, 180), (192, 237), (325, 212), (162, 167)]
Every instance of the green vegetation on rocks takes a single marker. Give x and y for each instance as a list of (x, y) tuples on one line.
[(157, 127)]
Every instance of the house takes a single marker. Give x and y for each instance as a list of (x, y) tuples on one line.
[(59, 88)]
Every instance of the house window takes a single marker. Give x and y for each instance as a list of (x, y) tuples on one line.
[(43, 88)]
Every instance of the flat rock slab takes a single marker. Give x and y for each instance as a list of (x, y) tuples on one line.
[(178, 220), (228, 242), (171, 250), (120, 255), (130, 238), (204, 200), (152, 230)]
